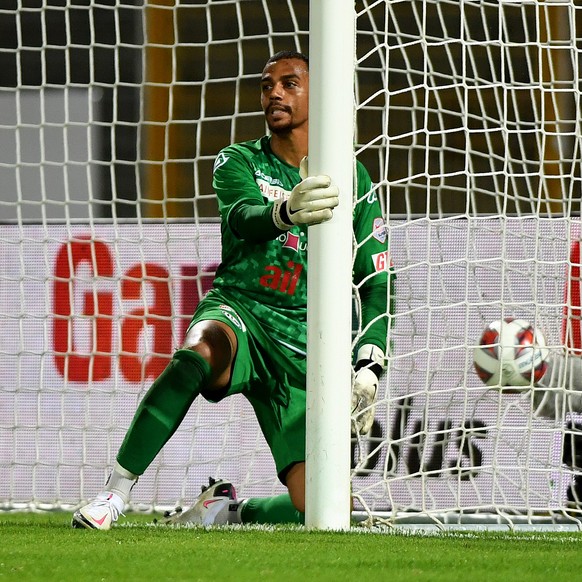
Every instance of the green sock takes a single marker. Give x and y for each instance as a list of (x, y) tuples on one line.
[(162, 410), (269, 510)]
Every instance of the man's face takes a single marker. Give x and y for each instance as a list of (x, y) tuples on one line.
[(285, 94)]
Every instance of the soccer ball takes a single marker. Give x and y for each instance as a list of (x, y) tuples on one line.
[(511, 352)]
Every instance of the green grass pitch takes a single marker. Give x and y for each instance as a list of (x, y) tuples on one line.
[(45, 547)]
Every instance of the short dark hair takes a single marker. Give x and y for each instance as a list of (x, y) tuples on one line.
[(281, 55)]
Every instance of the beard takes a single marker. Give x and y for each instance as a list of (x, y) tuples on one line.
[(280, 129), (278, 125)]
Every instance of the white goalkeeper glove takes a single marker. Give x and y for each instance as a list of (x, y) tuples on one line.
[(369, 366), (310, 202)]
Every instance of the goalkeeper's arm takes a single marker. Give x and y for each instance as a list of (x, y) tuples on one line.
[(370, 358), (311, 202)]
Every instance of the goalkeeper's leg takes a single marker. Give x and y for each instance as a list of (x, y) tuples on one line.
[(205, 365), (217, 505), (284, 429), (278, 509), (287, 508)]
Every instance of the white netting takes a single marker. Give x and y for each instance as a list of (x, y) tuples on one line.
[(477, 104), (112, 114)]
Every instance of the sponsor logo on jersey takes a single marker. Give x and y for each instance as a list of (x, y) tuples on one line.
[(379, 229), (281, 280), (292, 241), (220, 160), (272, 191), (381, 261), (233, 316), (259, 175)]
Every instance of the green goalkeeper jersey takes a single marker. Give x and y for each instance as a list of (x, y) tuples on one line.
[(269, 277)]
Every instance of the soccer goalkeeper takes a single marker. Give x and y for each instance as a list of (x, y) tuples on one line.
[(248, 334)]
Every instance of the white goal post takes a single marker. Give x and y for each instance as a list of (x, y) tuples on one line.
[(329, 276), (466, 117)]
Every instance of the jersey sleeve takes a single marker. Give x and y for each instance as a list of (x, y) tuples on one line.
[(240, 201), (233, 180), (373, 273)]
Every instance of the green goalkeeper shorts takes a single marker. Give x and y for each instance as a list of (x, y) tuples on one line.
[(278, 399)]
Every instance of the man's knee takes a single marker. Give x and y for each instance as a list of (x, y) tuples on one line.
[(216, 343), (295, 482)]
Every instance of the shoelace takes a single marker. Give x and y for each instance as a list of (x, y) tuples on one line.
[(115, 513)]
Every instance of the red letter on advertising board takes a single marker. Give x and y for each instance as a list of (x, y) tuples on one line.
[(97, 305), (572, 310), (158, 316)]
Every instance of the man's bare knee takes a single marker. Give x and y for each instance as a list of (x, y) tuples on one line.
[(295, 482), (216, 343)]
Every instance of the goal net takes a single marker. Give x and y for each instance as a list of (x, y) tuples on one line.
[(112, 114)]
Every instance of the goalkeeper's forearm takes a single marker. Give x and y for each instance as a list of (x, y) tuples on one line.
[(374, 301), (253, 222)]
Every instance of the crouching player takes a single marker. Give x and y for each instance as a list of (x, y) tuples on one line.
[(248, 334)]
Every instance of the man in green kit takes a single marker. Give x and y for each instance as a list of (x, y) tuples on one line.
[(248, 334)]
